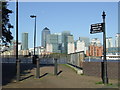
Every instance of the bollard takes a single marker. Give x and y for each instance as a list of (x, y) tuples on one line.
[(18, 70), (34, 59), (37, 68), (56, 66)]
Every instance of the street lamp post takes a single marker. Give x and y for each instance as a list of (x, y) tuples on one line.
[(17, 60), (33, 16), (35, 58), (105, 77)]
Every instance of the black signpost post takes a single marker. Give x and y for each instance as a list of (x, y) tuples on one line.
[(97, 28), (105, 78)]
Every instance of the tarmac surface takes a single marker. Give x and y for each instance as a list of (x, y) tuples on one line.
[(66, 78)]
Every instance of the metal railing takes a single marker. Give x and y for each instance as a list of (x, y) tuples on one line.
[(76, 58)]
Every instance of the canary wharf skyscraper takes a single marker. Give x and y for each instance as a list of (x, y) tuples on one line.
[(65, 35), (45, 32), (25, 41)]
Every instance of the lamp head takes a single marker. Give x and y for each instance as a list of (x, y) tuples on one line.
[(32, 16)]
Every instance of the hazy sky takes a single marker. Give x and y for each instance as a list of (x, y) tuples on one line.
[(59, 16)]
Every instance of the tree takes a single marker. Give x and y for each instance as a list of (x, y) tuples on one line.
[(6, 26)]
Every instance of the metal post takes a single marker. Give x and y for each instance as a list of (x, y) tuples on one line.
[(34, 57), (38, 68), (17, 60), (105, 77), (55, 68), (35, 36)]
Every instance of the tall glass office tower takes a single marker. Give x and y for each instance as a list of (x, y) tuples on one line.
[(45, 32), (109, 42), (65, 35), (117, 40), (53, 40), (25, 41), (86, 40)]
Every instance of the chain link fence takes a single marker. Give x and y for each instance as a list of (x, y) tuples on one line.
[(76, 59)]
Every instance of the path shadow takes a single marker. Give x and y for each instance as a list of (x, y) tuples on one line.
[(9, 72), (59, 72), (75, 66), (26, 77), (43, 75)]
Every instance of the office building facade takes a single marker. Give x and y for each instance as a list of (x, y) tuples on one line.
[(117, 40), (70, 48), (80, 46), (45, 32), (86, 40), (95, 41), (24, 41), (49, 47), (53, 43), (70, 44), (109, 42), (65, 35), (113, 51), (95, 50)]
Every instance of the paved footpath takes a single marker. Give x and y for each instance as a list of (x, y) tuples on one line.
[(67, 78)]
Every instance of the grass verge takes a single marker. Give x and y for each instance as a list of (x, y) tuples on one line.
[(99, 82), (70, 67), (109, 84)]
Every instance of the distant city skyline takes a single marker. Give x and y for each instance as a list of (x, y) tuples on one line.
[(74, 17)]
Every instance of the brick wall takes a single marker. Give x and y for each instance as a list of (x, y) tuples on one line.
[(94, 69)]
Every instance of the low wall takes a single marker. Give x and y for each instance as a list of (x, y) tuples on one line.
[(94, 69)]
